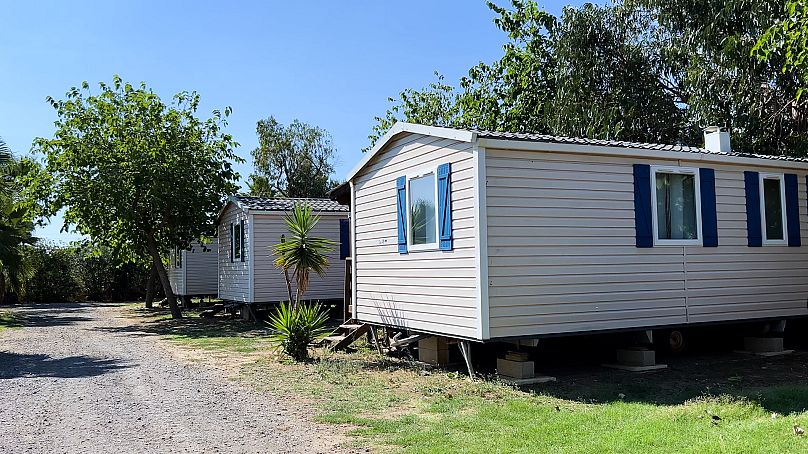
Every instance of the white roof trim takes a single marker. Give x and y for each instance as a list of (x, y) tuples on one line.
[(667, 155), (230, 199), (402, 127)]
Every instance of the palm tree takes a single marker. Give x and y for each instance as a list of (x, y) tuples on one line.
[(16, 227), (301, 252)]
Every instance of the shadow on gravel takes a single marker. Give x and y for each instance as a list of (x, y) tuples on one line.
[(55, 314), (14, 365)]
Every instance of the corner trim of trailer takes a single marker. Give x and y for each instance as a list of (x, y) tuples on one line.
[(251, 256), (352, 220), (480, 178)]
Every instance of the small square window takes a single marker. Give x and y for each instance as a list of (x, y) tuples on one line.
[(422, 204), (772, 208), (677, 206)]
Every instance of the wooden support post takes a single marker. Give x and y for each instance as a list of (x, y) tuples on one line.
[(465, 350), (375, 337)]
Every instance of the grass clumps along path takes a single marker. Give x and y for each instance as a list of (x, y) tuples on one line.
[(9, 320), (404, 406)]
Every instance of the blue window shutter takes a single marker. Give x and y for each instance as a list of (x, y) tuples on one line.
[(709, 219), (232, 241), (642, 206), (754, 232), (401, 210), (344, 239), (445, 206), (792, 209)]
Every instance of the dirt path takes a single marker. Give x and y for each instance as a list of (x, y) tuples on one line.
[(69, 382)]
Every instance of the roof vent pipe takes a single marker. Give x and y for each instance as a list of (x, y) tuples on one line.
[(716, 139)]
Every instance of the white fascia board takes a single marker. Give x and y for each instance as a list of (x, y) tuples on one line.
[(524, 145), (461, 135), (231, 199)]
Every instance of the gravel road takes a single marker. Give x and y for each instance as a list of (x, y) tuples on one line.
[(70, 382)]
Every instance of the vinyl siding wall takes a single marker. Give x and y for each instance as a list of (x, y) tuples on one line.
[(433, 291), (270, 285), (562, 255), (201, 269), (176, 276), (234, 278)]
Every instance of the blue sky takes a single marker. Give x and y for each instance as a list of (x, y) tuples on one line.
[(331, 64)]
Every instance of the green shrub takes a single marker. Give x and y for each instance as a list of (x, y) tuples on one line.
[(296, 326), (53, 277)]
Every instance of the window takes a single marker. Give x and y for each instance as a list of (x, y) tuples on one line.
[(236, 241), (177, 258), (422, 206), (772, 208), (677, 206)]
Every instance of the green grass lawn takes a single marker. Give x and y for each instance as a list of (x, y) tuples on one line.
[(392, 403), (9, 320)]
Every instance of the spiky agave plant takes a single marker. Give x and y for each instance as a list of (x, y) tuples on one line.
[(296, 326)]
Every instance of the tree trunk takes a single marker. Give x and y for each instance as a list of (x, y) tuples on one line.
[(150, 287), (151, 244), (289, 287)]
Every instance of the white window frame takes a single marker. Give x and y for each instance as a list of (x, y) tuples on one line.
[(676, 170), (781, 178), (429, 246)]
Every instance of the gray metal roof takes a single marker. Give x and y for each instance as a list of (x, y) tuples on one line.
[(288, 203), (529, 137)]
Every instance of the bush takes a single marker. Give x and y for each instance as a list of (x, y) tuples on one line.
[(78, 272), (54, 274), (296, 326)]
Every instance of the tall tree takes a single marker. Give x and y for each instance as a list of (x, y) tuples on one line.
[(136, 173), (637, 70), (787, 39), (292, 161), (706, 48)]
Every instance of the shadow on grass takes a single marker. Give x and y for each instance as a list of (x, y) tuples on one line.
[(159, 322), (778, 384), (15, 365)]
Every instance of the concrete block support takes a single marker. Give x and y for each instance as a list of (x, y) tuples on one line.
[(434, 350), (636, 357), (763, 344), (515, 369)]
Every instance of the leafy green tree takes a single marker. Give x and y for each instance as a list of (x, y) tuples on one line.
[(135, 173), (292, 161), (301, 252), (788, 39), (705, 50), (637, 70)]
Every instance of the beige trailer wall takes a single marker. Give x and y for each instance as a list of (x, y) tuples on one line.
[(234, 277), (268, 280), (201, 265), (434, 291), (562, 255)]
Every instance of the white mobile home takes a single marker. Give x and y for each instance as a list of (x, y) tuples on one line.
[(248, 229), (487, 235), (194, 271)]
